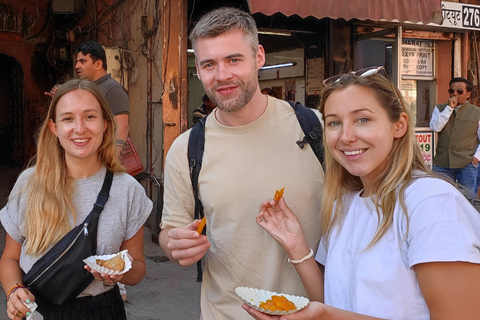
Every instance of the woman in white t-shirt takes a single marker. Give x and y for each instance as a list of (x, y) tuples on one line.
[(398, 242)]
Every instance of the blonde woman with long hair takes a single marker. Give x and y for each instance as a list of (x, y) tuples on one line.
[(397, 242), (76, 145)]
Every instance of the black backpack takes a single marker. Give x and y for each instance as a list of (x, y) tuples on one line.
[(307, 119)]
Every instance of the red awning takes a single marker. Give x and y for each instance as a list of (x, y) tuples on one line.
[(424, 11)]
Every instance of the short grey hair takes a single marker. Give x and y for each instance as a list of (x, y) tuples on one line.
[(222, 20)]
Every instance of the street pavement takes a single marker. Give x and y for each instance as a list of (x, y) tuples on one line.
[(168, 291)]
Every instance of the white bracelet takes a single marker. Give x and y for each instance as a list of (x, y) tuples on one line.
[(308, 256)]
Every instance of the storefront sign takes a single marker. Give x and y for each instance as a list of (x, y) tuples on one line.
[(460, 15), (425, 139), (417, 57), (315, 76)]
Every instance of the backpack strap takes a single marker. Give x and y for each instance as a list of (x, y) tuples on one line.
[(312, 128), (196, 146)]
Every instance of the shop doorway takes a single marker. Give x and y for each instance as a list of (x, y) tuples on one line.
[(418, 94), (12, 146)]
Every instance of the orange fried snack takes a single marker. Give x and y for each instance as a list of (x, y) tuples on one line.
[(201, 225), (278, 194), (278, 303)]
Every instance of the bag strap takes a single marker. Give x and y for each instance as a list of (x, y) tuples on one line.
[(104, 193), (196, 146), (102, 197), (312, 129)]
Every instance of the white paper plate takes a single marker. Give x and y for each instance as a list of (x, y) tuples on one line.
[(253, 297), (92, 263)]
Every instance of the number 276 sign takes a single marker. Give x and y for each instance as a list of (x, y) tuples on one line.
[(460, 15)]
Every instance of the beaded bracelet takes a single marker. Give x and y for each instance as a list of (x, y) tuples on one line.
[(308, 256), (13, 289)]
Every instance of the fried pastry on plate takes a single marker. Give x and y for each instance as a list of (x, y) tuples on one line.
[(116, 263)]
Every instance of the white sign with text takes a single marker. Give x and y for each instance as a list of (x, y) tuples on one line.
[(460, 15), (425, 138), (417, 57)]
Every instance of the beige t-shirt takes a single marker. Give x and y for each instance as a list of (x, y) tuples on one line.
[(242, 167)]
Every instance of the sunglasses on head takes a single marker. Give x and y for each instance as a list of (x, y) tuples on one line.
[(459, 91), (365, 72)]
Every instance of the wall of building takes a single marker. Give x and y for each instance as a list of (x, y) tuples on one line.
[(18, 42), (128, 26), (44, 43)]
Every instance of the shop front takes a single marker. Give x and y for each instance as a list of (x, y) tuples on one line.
[(422, 59), (422, 47)]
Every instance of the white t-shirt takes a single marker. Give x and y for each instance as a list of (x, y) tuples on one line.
[(242, 167), (380, 281)]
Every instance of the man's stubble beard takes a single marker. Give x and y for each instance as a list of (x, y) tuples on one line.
[(230, 104)]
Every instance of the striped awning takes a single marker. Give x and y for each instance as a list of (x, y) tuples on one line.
[(424, 11)]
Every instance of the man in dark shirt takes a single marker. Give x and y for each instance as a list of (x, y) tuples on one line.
[(204, 110)]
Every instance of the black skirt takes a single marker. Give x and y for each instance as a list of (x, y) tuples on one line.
[(106, 306)]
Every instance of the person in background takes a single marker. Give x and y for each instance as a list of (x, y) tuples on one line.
[(92, 65), (250, 151), (206, 108), (393, 234), (76, 146), (269, 91), (458, 125)]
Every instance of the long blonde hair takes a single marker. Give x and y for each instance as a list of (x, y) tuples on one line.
[(50, 188), (405, 157)]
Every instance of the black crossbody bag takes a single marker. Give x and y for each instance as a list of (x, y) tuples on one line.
[(59, 276)]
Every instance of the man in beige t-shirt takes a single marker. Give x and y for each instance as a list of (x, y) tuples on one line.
[(250, 152)]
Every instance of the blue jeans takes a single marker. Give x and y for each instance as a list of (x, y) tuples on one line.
[(477, 184), (467, 177)]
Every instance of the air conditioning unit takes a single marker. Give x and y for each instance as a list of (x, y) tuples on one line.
[(67, 6), (114, 67)]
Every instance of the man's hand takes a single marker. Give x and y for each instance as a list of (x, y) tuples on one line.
[(184, 245), (475, 162), (52, 91), (453, 102)]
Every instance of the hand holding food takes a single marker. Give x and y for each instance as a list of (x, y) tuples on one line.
[(282, 224), (110, 264), (186, 245)]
